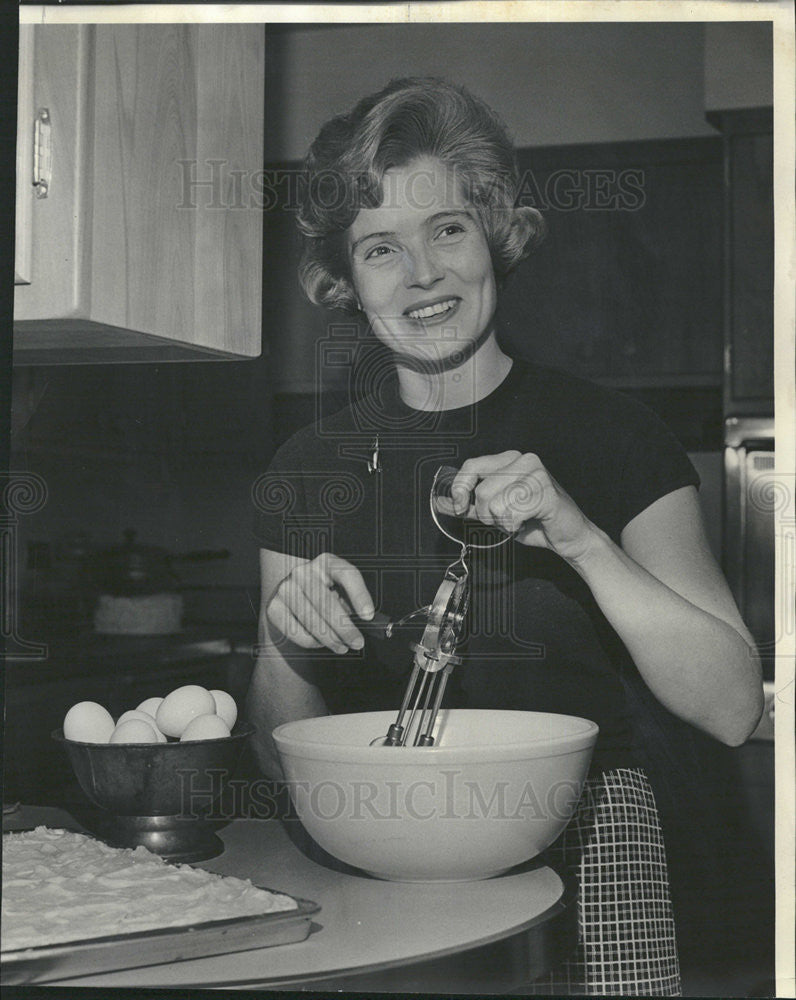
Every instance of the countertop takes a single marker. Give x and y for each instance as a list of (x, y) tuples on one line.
[(84, 651), (470, 937)]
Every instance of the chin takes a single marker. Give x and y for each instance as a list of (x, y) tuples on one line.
[(431, 346)]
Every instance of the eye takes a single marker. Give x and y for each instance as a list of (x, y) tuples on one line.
[(450, 229), (382, 250)]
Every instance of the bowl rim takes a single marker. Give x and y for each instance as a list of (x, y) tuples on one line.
[(240, 731), (488, 752)]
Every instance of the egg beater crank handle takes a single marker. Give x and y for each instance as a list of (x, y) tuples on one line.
[(380, 626)]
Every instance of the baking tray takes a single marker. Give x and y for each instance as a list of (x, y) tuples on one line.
[(156, 947)]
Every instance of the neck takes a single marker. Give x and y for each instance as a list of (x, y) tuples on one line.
[(476, 377)]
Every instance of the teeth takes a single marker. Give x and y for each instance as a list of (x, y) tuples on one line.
[(428, 311)]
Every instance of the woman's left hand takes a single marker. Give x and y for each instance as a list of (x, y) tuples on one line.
[(515, 492)]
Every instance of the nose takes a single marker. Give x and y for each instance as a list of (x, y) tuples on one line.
[(422, 269)]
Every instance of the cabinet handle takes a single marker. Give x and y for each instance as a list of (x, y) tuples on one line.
[(42, 152)]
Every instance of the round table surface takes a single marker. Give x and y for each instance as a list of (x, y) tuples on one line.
[(368, 931)]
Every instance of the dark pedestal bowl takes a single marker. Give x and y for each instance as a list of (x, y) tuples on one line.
[(157, 795)]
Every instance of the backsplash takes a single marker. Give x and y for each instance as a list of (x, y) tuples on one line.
[(170, 452)]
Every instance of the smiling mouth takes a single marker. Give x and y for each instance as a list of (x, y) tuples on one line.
[(433, 311)]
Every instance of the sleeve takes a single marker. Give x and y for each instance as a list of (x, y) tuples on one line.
[(280, 504), (655, 463)]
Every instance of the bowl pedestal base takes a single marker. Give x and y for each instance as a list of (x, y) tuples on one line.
[(175, 838)]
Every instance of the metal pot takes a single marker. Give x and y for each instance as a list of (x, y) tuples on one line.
[(130, 569)]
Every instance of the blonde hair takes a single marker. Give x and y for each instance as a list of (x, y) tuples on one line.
[(410, 118)]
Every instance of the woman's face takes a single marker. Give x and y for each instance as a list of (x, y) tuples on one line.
[(421, 265)]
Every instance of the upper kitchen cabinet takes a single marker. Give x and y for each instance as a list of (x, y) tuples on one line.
[(626, 287), (139, 231), (748, 260)]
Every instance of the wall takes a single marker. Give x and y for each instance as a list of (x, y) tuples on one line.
[(738, 65), (170, 451), (552, 83)]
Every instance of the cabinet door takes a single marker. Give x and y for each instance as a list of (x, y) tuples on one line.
[(750, 330), (23, 249), (626, 288), (748, 260), (176, 231), (162, 232), (50, 222)]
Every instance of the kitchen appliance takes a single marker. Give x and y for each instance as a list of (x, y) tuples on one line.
[(130, 568), (754, 496), (435, 654), (138, 588), (757, 499)]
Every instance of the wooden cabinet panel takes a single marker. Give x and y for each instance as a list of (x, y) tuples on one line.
[(23, 209), (751, 253), (145, 124), (55, 61), (626, 288), (748, 260), (166, 231), (230, 127)]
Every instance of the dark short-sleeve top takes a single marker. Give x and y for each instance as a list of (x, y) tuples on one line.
[(535, 638)]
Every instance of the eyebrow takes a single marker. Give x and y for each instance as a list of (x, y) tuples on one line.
[(454, 212)]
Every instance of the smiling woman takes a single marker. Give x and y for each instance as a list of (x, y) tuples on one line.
[(410, 218), (422, 267), (348, 169)]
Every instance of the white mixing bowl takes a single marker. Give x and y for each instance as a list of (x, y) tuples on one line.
[(495, 791)]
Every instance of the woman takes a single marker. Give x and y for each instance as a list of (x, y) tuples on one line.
[(410, 219)]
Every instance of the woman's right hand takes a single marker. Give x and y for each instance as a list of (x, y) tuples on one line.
[(309, 604)]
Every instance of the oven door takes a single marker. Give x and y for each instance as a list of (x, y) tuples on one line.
[(751, 500)]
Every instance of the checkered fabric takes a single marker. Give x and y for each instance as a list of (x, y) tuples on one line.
[(614, 848)]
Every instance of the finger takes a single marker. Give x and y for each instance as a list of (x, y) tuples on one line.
[(344, 575), (472, 472), (446, 506), (325, 595), (525, 497), (339, 613), (493, 499), (534, 492), (509, 496), (303, 603), (504, 513), (441, 496), (511, 501), (285, 624)]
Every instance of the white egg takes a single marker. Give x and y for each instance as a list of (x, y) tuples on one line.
[(225, 707), (181, 705), (88, 722), (150, 706), (134, 713), (205, 727), (134, 731)]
